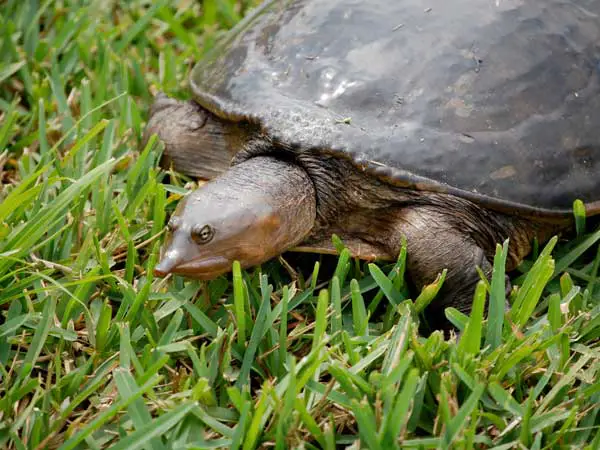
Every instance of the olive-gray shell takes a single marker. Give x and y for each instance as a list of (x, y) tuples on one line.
[(494, 100)]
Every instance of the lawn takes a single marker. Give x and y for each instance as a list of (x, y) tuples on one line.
[(95, 352)]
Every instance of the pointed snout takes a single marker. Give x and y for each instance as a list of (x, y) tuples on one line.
[(203, 268), (168, 263)]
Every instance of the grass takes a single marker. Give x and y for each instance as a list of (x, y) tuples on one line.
[(96, 353)]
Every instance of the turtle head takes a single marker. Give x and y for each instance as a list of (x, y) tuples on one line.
[(208, 233), (253, 212)]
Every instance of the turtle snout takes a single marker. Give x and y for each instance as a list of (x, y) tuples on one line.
[(168, 262)]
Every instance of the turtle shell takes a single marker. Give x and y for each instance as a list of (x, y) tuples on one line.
[(497, 101)]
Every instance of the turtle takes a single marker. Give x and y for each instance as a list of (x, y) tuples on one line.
[(451, 125)]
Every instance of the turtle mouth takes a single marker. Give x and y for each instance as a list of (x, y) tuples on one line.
[(200, 269)]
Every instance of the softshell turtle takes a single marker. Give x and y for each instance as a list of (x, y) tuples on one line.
[(454, 123)]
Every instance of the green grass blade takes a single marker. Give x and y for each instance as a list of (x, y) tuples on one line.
[(385, 284), (35, 229), (359, 311), (497, 298), (459, 421), (366, 424), (107, 415), (239, 301), (143, 436), (470, 341), (261, 326), (39, 339), (396, 421)]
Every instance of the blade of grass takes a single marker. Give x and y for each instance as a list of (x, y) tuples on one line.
[(497, 298)]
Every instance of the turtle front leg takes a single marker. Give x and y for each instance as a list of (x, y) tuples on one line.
[(434, 244), (197, 143)]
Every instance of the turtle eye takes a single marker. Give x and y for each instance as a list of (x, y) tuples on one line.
[(173, 224), (202, 235)]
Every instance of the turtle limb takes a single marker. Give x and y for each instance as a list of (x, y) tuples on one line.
[(435, 244), (197, 143)]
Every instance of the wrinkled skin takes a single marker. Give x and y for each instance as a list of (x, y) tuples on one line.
[(272, 200)]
